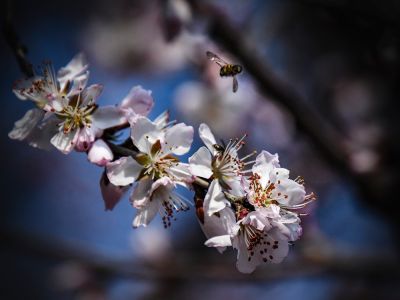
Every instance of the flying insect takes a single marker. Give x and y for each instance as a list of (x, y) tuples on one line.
[(227, 69)]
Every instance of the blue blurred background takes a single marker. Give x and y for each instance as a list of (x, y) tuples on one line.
[(57, 240)]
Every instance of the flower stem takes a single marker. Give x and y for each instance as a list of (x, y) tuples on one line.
[(119, 150), (201, 182)]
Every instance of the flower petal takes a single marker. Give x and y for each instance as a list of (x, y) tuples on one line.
[(22, 89), (207, 137), (178, 139), (290, 231), (200, 163), (294, 191), (147, 197), (75, 67), (100, 154), (23, 127), (162, 120), (91, 93), (265, 163), (112, 194), (279, 174), (219, 224), (281, 249), (108, 116), (123, 171), (138, 100), (162, 183), (145, 215), (78, 84), (236, 185), (219, 241), (144, 134), (214, 200), (41, 136), (141, 193), (180, 174), (86, 137), (65, 142), (243, 263), (295, 231), (257, 220)]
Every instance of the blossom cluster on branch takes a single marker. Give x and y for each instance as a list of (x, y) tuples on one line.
[(244, 202)]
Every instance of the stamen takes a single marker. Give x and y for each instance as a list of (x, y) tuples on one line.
[(252, 237), (249, 155), (249, 162), (174, 202), (170, 123)]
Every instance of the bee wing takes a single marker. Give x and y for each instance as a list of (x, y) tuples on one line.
[(235, 84), (214, 57)]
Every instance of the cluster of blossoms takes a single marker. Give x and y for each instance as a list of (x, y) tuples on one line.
[(247, 204)]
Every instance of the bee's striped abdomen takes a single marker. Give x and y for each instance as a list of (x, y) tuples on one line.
[(226, 70), (230, 70)]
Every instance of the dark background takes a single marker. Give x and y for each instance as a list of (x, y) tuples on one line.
[(342, 60)]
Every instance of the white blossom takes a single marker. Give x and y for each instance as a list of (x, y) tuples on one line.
[(252, 209), (256, 240), (82, 121), (34, 129), (270, 184), (138, 102), (220, 163), (265, 217), (50, 90), (156, 168)]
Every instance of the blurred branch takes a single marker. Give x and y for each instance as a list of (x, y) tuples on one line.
[(18, 49), (328, 142), (188, 268)]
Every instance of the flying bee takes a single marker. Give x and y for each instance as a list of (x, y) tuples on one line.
[(227, 69)]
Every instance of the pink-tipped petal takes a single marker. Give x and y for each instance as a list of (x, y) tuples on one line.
[(85, 139), (138, 100), (100, 154)]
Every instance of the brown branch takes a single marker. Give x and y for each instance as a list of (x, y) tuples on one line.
[(18, 49), (199, 270)]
